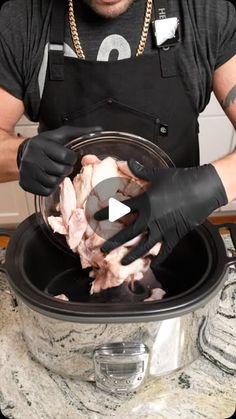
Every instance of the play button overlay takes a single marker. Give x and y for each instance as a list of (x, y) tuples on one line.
[(117, 210), (110, 194)]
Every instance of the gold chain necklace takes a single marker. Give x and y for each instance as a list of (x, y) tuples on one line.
[(76, 40)]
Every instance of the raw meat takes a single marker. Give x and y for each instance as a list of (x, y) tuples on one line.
[(115, 273), (57, 224), (67, 200), (78, 203), (100, 172), (62, 297), (90, 159), (82, 184), (156, 294), (77, 226)]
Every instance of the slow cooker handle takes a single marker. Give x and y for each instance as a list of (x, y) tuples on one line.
[(5, 233), (232, 229)]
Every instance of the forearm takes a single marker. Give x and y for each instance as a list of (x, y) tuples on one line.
[(226, 169), (8, 151)]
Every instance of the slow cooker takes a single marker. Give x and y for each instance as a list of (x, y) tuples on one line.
[(112, 341)]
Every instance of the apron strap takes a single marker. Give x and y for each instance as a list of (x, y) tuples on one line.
[(168, 62), (166, 53), (56, 40)]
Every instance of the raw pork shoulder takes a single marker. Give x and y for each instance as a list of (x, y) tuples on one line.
[(85, 236)]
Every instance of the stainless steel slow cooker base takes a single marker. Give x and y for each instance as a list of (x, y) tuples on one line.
[(117, 357), (117, 344)]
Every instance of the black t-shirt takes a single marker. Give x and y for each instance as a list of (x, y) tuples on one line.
[(208, 40)]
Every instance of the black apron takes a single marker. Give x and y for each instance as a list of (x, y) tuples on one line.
[(142, 95)]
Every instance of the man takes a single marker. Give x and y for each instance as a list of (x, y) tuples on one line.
[(90, 63)]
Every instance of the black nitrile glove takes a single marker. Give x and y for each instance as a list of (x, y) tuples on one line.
[(44, 161), (177, 201)]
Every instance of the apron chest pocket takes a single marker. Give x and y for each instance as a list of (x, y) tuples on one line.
[(112, 115)]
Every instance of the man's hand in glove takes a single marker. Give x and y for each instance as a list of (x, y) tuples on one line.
[(177, 201), (44, 161)]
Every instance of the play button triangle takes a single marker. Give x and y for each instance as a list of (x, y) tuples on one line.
[(117, 210)]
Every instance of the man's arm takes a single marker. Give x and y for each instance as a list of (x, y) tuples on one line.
[(224, 86), (11, 110)]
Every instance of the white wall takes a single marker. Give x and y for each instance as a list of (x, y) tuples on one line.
[(217, 137)]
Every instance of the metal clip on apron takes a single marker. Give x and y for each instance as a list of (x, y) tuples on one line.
[(149, 98), (167, 26)]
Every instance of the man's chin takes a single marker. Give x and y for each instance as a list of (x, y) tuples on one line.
[(109, 8)]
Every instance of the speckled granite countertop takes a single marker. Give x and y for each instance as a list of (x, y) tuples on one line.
[(205, 389)]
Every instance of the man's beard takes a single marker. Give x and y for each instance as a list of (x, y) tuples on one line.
[(109, 10)]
